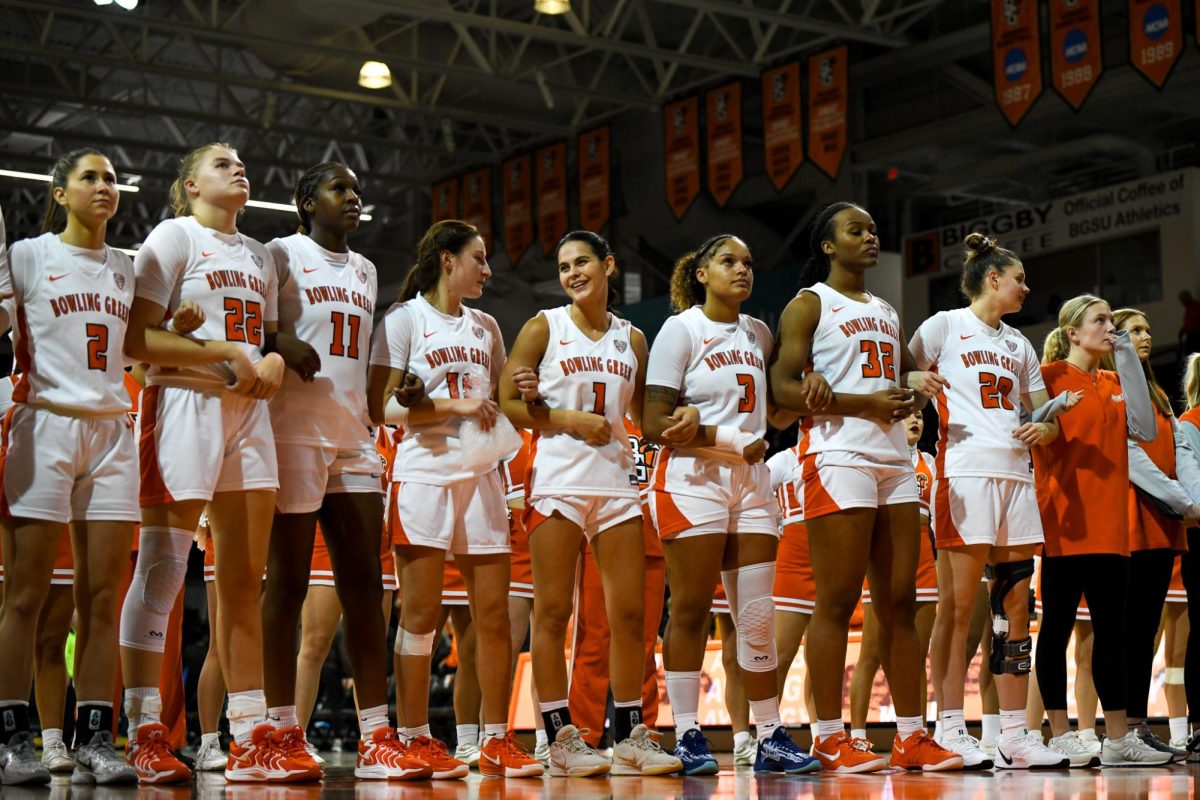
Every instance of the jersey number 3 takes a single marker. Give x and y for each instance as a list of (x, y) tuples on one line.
[(881, 359)]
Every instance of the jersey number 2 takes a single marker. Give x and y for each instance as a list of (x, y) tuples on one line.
[(97, 345), (881, 359), (243, 321), (994, 391)]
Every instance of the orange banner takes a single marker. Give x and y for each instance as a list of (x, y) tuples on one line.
[(1155, 38), (518, 206), (724, 123), (477, 203), (783, 145), (1075, 59), (681, 149), (445, 200), (552, 195), (828, 93), (1016, 59), (594, 202)]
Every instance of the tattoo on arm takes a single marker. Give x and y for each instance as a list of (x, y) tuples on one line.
[(662, 394)]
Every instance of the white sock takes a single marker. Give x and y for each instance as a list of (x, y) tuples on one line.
[(416, 733), (143, 705), (467, 734), (740, 738), (830, 727), (210, 739), (540, 737), (372, 719), (283, 717), (858, 733), (991, 728), (246, 711), (1087, 733), (814, 732), (952, 720), (1179, 728), (495, 731), (766, 716), (937, 730), (683, 692), (907, 726), (50, 735), (1012, 722)]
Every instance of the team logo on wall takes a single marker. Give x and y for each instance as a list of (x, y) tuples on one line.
[(778, 86), (620, 343), (825, 70), (258, 262), (478, 331), (119, 280)]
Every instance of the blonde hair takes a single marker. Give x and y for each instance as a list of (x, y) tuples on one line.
[(1191, 381), (181, 202), (1121, 318), (1070, 315)]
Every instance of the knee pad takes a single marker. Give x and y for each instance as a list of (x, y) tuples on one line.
[(1008, 657), (756, 618), (414, 644), (161, 567), (729, 584)]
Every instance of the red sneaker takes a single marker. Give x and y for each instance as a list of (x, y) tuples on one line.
[(382, 756), (433, 752), (920, 751), (152, 758), (264, 760), (295, 746), (504, 757), (840, 753)]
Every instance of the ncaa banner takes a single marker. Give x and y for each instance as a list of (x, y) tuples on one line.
[(477, 203), (517, 197), (783, 147), (1016, 60), (1155, 38), (445, 200), (594, 179), (1076, 62), (724, 121), (828, 92), (681, 149), (552, 195)]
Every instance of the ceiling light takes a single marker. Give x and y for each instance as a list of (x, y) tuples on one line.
[(37, 176), (291, 209), (128, 5), (374, 75), (552, 6)]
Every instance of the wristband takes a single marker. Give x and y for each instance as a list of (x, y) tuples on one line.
[(170, 326), (732, 440)]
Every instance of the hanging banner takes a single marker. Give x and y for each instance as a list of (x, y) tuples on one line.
[(594, 173), (724, 122), (681, 148), (1016, 58), (1075, 59), (1155, 38), (445, 200), (783, 146), (552, 195), (828, 93), (477, 202), (518, 206)]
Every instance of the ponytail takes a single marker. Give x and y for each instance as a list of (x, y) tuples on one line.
[(1191, 381), (181, 201), (1070, 315), (449, 234), (686, 288), (816, 268), (982, 255)]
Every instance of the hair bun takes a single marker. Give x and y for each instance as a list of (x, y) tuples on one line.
[(978, 243)]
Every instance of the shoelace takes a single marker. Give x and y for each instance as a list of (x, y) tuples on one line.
[(291, 742), (511, 747), (155, 747), (577, 744), (862, 745), (648, 741)]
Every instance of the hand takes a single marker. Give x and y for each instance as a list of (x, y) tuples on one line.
[(245, 377), (410, 390), (889, 405), (270, 375), (754, 452), (298, 355), (483, 409), (816, 392), (187, 318), (1070, 400), (927, 384), (526, 381), (592, 428), (685, 425), (1036, 433)]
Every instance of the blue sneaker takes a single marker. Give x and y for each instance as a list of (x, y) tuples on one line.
[(779, 753), (692, 750)]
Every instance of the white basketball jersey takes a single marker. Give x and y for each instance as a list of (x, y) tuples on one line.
[(988, 370), (581, 375), (456, 357), (231, 278), (72, 308), (326, 299), (785, 475), (718, 367), (856, 347)]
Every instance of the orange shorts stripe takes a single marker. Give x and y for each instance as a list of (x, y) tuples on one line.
[(817, 500), (153, 488)]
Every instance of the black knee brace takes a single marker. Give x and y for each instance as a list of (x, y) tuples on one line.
[(1011, 658)]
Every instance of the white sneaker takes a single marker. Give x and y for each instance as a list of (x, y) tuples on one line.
[(211, 758), (744, 755), (988, 748), (1181, 744), (1090, 740), (1026, 750), (1077, 753), (97, 762), (316, 754), (467, 753), (541, 752), (641, 755), (1131, 751), (967, 746), (572, 757), (57, 758)]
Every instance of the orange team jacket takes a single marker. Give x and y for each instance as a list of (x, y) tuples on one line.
[(1149, 527)]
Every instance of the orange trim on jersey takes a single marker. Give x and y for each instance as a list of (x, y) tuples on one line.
[(530, 519), (926, 562), (521, 569), (817, 500), (399, 537), (945, 532), (671, 521), (453, 585), (24, 359), (153, 488), (4, 430)]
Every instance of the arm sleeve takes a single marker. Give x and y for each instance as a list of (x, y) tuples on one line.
[(159, 263), (1187, 462), (1192, 434), (1154, 482), (392, 338), (1139, 409), (1048, 411), (928, 341), (669, 356)]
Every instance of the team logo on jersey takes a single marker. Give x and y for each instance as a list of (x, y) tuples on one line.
[(620, 343), (750, 336), (258, 262), (119, 280), (1012, 346), (362, 275), (478, 331), (922, 482), (132, 416)]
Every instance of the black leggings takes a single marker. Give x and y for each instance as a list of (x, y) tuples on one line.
[(1190, 568), (1103, 579), (1149, 579)]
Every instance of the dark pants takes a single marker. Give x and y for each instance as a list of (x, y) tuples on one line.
[(1149, 580), (1190, 569)]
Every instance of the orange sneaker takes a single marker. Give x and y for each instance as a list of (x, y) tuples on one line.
[(504, 757), (295, 746), (264, 760), (381, 756), (433, 752), (152, 758), (840, 753), (920, 751)]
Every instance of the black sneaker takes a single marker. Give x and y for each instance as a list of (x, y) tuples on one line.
[(1146, 735)]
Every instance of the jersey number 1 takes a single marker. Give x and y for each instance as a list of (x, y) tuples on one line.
[(350, 348)]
